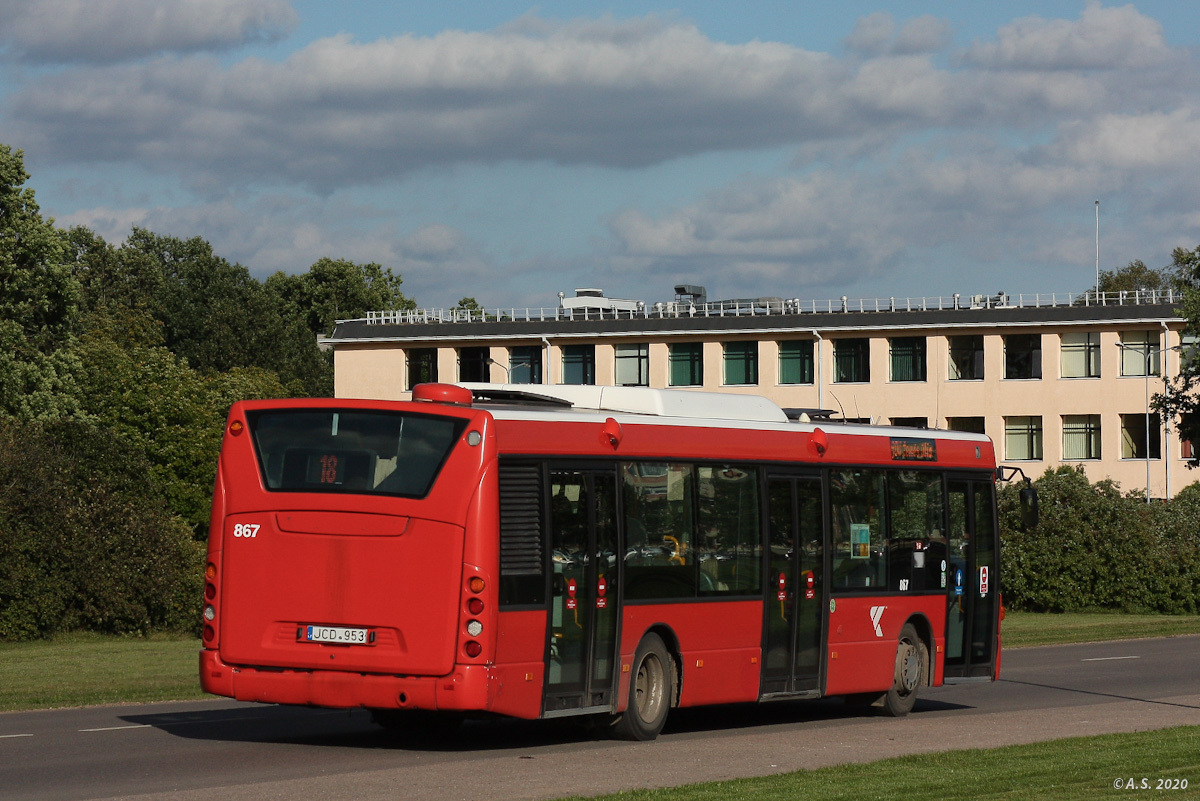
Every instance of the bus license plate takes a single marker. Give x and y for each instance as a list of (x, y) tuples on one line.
[(334, 634)]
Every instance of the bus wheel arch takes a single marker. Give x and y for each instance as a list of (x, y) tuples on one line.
[(653, 690)]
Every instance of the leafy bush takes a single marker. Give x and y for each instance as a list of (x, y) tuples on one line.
[(85, 540), (1095, 548)]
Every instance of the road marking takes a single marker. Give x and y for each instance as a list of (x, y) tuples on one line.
[(119, 728), (1108, 658), (10, 736)]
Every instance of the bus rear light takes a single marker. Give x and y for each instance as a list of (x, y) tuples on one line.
[(210, 613), (474, 628), (209, 633), (472, 649), (237, 427), (475, 606), (210, 591), (210, 572), (476, 584)]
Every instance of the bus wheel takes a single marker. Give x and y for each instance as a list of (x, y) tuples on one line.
[(650, 691), (912, 659)]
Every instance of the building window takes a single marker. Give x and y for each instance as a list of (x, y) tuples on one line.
[(972, 425), (1186, 451), (579, 364), (911, 422), (686, 363), (852, 361), (1023, 438), (796, 361), (1081, 355), (1134, 441), (1023, 356), (741, 363), (473, 364), (632, 365), (1081, 436), (422, 366), (1139, 353), (966, 358), (525, 365), (908, 358)]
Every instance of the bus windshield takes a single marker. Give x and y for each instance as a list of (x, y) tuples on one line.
[(351, 451)]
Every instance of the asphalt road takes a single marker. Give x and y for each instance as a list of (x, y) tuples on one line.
[(226, 750)]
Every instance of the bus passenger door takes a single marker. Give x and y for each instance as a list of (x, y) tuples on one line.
[(581, 652), (972, 582), (794, 585)]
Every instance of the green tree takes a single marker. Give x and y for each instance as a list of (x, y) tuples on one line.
[(150, 398), (87, 542), (115, 279), (39, 299), (214, 314), (38, 291), (336, 289), (1136, 276), (1098, 548), (1181, 400)]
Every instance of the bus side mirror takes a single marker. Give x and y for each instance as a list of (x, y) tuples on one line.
[(1029, 508)]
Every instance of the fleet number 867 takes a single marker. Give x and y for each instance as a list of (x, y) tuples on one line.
[(248, 530)]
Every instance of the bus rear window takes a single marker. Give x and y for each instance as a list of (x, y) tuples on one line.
[(331, 450)]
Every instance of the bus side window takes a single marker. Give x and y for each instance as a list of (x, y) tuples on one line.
[(727, 545), (660, 559), (859, 550), (916, 544)]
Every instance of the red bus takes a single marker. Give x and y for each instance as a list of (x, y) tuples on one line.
[(546, 551)]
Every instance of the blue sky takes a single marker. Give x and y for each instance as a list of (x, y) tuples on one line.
[(510, 151)]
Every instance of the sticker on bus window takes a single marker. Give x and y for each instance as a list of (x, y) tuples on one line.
[(860, 541)]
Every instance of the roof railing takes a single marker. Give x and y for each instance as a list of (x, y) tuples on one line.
[(777, 306)]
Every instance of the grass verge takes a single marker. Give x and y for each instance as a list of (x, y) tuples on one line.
[(88, 669), (1065, 770), (1024, 629)]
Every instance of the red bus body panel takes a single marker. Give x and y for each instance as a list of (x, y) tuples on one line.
[(394, 566), (399, 567)]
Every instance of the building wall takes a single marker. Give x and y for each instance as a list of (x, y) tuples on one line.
[(378, 370)]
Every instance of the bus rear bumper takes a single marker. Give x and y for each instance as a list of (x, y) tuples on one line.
[(465, 689)]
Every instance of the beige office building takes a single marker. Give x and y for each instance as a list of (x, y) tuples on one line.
[(1053, 379)]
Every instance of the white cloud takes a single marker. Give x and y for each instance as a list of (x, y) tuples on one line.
[(340, 112), (111, 31), (1102, 38), (980, 198), (901, 157), (876, 34), (1155, 141), (622, 94)]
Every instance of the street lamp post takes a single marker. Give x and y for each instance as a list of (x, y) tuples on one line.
[(502, 367)]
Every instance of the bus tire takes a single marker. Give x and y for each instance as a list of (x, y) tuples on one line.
[(912, 660), (651, 688)]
